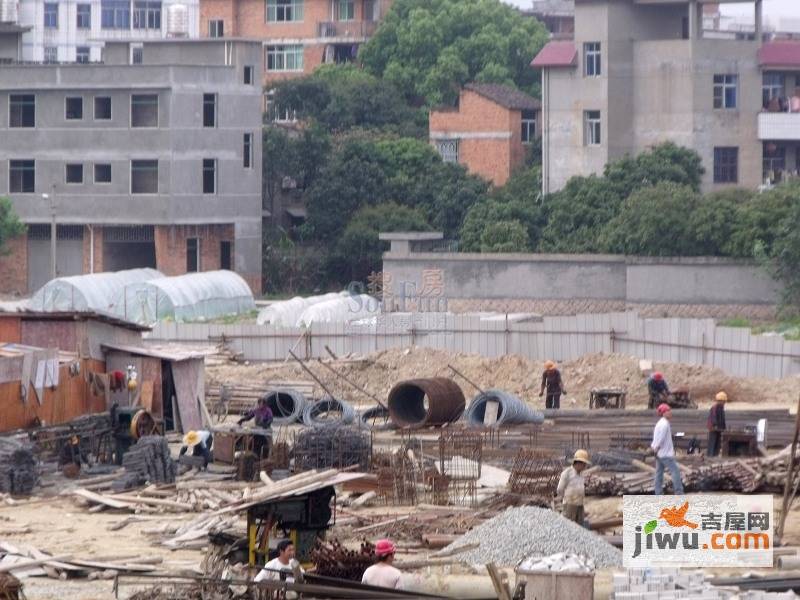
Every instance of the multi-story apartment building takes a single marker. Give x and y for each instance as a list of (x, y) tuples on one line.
[(75, 30), (298, 35), (641, 72), (151, 158)]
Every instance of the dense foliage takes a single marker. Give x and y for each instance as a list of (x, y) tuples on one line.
[(10, 225)]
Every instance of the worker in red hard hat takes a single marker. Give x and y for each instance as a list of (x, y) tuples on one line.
[(382, 573), (657, 389), (665, 452)]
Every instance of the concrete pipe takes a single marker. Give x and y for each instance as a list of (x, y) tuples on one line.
[(423, 402), (511, 410), (286, 405)]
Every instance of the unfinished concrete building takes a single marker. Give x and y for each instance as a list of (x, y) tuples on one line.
[(641, 72), (151, 158)]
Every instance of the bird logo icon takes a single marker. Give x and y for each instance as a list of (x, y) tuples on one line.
[(676, 517)]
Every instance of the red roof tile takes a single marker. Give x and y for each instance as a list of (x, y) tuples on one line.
[(780, 54), (556, 54)]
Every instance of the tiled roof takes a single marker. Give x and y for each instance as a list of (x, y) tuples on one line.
[(556, 54), (780, 54), (505, 96)]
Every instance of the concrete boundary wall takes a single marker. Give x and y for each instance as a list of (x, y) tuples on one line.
[(695, 341)]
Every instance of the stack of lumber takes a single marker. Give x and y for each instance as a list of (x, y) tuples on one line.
[(149, 460), (18, 467)]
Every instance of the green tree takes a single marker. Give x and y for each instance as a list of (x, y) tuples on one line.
[(10, 225), (505, 236), (358, 251), (431, 48), (784, 257), (758, 219), (652, 222), (715, 221), (665, 162)]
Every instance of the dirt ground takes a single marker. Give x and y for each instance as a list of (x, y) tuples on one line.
[(380, 371)]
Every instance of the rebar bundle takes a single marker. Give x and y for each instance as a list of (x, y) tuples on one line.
[(328, 412), (511, 410), (332, 447), (533, 475), (334, 560)]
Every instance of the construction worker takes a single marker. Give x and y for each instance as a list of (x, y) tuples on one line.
[(71, 456), (382, 573), (262, 444), (282, 566), (658, 389), (200, 444), (665, 452), (570, 487), (716, 424), (551, 381)]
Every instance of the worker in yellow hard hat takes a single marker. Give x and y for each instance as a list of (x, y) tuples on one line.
[(570, 487), (199, 442), (716, 424), (551, 381)]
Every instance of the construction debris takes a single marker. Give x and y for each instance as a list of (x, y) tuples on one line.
[(18, 467), (334, 560), (336, 447), (149, 460), (561, 562)]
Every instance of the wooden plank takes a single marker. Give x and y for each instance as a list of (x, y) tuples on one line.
[(100, 499)]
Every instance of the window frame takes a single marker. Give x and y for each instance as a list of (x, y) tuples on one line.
[(133, 96), (110, 173), (210, 165), (196, 253), (22, 104), (23, 169), (67, 167), (210, 100), (216, 28), (249, 75), (110, 108), (78, 53), (592, 59), (67, 108), (115, 14), (285, 11), (722, 169), (592, 128), (445, 153), (146, 15), (83, 11), (528, 122), (768, 89), (144, 168), (50, 11), (247, 150), (50, 50), (280, 53), (229, 245), (351, 11), (723, 84)]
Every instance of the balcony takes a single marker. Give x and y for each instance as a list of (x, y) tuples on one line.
[(347, 30), (779, 126)]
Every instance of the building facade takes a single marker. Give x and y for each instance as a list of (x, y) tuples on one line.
[(488, 131), (298, 35), (75, 30), (642, 72), (151, 158)]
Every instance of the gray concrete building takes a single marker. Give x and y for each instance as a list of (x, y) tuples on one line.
[(151, 158), (641, 72)]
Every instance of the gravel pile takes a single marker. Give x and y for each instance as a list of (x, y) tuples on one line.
[(522, 532)]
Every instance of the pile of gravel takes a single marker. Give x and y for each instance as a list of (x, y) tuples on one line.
[(526, 531)]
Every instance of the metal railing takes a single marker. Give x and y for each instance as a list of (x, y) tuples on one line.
[(347, 29)]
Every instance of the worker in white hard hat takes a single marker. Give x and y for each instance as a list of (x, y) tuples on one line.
[(570, 487), (716, 423)]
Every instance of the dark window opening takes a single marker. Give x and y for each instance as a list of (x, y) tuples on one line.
[(192, 255), (225, 256)]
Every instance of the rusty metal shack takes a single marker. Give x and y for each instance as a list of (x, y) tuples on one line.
[(46, 362)]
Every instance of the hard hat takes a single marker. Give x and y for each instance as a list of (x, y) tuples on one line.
[(549, 365), (192, 438), (663, 408), (384, 548), (658, 376), (721, 397), (581, 456)]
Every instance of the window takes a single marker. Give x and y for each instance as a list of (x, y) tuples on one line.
[(192, 255), (102, 108), (74, 108), (225, 256), (772, 90), (216, 28), (247, 151), (774, 164), (285, 58), (209, 176), (284, 10), (21, 110), (725, 91), (147, 14), (75, 173), (50, 54), (115, 14), (591, 128), (209, 110), (248, 75), (84, 13), (371, 12), (144, 177), (591, 59), (448, 149), (726, 165), (82, 54), (275, 113), (345, 10), (528, 126), (144, 110), (137, 55), (21, 176), (50, 15), (102, 173)]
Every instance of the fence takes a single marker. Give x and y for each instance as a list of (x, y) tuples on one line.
[(696, 341)]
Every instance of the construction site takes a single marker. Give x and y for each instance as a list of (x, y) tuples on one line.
[(453, 457)]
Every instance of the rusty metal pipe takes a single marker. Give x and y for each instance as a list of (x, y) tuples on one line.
[(423, 402)]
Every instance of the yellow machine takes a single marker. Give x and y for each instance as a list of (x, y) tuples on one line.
[(301, 519)]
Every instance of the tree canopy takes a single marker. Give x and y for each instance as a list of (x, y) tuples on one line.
[(10, 225), (431, 48)]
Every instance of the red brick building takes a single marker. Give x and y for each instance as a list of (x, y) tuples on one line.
[(488, 131)]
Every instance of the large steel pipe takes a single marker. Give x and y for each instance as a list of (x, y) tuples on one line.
[(422, 402)]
